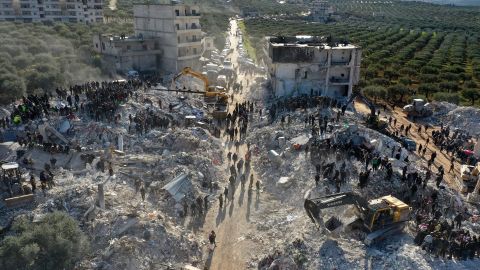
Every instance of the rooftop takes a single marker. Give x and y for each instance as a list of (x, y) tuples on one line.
[(307, 41)]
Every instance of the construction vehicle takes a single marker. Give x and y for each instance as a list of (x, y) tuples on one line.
[(215, 97), (19, 193), (189, 71), (378, 218), (372, 120), (418, 108)]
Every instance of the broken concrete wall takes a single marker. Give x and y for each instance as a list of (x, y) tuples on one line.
[(298, 78), (290, 54)]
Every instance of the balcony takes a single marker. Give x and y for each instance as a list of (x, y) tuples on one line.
[(340, 63), (188, 16), (188, 43), (188, 30), (334, 80)]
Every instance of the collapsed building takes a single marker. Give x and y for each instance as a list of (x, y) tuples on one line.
[(168, 37), (308, 65)]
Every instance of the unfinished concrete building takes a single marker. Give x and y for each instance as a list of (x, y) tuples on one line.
[(129, 53), (82, 11), (167, 38), (177, 28), (308, 65)]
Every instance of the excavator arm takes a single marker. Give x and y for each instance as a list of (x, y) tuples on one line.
[(314, 206), (358, 93), (189, 71)]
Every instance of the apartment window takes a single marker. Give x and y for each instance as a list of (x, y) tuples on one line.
[(194, 26), (194, 38), (186, 26), (26, 13), (194, 50), (177, 26), (178, 39), (96, 45), (194, 12), (144, 46), (177, 12), (128, 48), (305, 75)]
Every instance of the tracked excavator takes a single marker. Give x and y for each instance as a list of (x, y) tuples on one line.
[(378, 218), (216, 99), (372, 121)]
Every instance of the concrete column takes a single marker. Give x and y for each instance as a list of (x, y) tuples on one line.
[(352, 74), (120, 142), (327, 77), (101, 196)]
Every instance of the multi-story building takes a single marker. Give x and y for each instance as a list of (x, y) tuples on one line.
[(308, 65), (83, 11), (167, 37), (177, 28)]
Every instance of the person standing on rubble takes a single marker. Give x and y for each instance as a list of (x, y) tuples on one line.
[(53, 161), (33, 183), (257, 185), (138, 184), (43, 185), (205, 203), (142, 192)]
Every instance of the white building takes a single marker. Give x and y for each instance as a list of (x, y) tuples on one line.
[(83, 11), (307, 65), (177, 28), (320, 11)]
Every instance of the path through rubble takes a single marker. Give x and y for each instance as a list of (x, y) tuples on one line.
[(232, 223)]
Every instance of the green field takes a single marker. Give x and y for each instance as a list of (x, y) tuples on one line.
[(409, 49)]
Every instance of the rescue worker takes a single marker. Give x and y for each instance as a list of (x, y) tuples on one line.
[(33, 183), (211, 238)]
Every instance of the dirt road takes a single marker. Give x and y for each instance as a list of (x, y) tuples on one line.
[(421, 139), (232, 223)]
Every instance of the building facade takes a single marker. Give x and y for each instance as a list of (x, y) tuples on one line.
[(320, 11), (307, 65), (176, 27), (124, 54), (81, 11)]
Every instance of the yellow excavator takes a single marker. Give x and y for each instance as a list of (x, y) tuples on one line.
[(217, 99), (379, 218)]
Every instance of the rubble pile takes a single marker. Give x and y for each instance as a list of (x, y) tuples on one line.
[(129, 233), (460, 117)]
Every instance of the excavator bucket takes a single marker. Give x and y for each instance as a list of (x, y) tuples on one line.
[(333, 224)]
